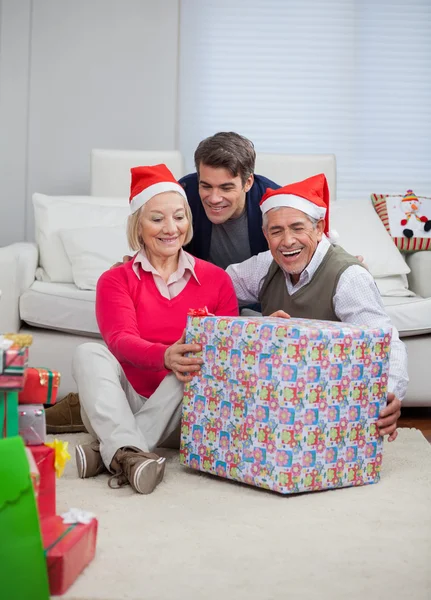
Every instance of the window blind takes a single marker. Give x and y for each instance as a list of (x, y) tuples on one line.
[(347, 77)]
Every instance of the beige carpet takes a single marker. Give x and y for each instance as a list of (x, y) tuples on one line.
[(199, 537)]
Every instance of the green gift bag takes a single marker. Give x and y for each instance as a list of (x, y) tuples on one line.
[(23, 572)]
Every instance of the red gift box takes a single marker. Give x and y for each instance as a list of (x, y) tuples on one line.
[(45, 461), (40, 386), (68, 550)]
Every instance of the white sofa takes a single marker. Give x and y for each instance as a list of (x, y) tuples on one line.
[(39, 281)]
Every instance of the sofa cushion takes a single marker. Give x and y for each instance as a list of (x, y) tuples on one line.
[(395, 285), (55, 213), (420, 273), (402, 212), (93, 250), (360, 231), (60, 306), (411, 316)]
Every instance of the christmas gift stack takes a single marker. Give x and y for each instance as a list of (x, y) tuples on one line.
[(289, 405), (23, 571), (68, 540)]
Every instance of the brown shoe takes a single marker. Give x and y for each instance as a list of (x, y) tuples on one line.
[(161, 463), (88, 460), (65, 416), (141, 469)]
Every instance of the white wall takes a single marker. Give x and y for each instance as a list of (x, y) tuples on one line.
[(77, 75)]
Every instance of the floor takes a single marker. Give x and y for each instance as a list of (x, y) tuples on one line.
[(420, 418)]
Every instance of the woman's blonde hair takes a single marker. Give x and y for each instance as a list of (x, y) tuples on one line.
[(134, 238)]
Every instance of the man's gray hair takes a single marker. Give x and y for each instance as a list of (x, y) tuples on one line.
[(265, 218)]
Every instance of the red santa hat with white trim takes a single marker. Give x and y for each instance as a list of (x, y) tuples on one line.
[(149, 181), (311, 196)]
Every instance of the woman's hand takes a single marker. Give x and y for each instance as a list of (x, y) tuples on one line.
[(184, 367)]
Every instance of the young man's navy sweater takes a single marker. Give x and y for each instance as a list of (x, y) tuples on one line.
[(202, 226)]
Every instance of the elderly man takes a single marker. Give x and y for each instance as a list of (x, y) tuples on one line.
[(303, 275)]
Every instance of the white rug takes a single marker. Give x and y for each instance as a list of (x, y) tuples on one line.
[(199, 537)]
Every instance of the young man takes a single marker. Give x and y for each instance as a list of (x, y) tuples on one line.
[(303, 275), (224, 196)]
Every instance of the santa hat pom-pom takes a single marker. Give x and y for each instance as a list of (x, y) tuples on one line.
[(333, 236)]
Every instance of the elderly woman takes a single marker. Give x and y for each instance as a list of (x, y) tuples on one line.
[(131, 391)]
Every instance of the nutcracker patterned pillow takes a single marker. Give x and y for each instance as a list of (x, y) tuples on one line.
[(407, 219)]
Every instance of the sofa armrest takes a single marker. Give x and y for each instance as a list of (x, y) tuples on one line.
[(18, 263), (419, 277)]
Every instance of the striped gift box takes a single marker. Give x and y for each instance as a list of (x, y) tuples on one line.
[(13, 363)]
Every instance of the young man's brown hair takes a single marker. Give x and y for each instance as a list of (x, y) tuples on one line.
[(227, 150)]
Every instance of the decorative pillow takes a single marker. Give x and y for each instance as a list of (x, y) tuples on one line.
[(53, 213), (360, 231), (407, 219), (93, 250)]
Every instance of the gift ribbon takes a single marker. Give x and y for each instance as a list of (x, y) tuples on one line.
[(61, 455), (10, 420), (199, 312), (61, 537), (20, 340), (46, 376)]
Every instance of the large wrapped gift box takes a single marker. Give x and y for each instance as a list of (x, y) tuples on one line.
[(288, 405), (69, 548), (40, 386), (44, 457)]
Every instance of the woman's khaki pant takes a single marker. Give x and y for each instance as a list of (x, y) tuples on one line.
[(117, 415)]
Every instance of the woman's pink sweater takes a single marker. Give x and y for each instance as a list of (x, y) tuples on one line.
[(138, 324)]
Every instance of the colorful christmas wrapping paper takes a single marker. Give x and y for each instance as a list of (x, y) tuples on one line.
[(40, 386), (69, 548), (287, 405), (44, 457)]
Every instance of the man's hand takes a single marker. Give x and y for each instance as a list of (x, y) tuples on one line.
[(388, 418), (280, 314), (125, 260), (184, 367), (361, 260)]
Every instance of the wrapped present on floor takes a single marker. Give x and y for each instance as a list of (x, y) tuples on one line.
[(70, 545), (9, 425), (23, 572), (40, 386), (13, 360), (32, 426), (286, 404), (44, 457)]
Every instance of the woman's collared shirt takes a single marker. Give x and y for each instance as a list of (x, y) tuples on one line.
[(176, 282)]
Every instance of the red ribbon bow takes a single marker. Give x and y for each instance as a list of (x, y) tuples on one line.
[(200, 312)]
